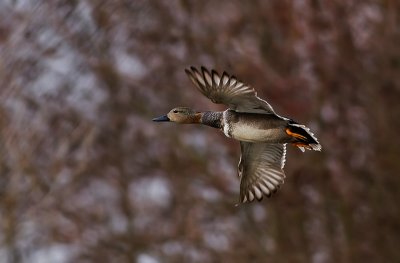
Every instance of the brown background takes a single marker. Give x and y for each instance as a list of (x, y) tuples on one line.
[(85, 176)]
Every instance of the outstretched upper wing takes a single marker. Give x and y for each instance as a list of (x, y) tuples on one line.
[(228, 90), (260, 169)]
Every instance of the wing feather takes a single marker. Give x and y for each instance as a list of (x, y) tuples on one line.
[(260, 169), (227, 90)]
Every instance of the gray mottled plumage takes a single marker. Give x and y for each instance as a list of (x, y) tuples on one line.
[(212, 118)]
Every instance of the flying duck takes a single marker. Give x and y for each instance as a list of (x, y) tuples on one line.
[(262, 133)]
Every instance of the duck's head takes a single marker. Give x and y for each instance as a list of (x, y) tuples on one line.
[(181, 115)]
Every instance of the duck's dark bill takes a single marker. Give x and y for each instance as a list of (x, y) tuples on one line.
[(162, 118)]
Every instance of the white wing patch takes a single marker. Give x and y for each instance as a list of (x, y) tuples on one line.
[(225, 124)]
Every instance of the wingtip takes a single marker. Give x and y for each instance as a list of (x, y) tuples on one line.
[(205, 71), (191, 70), (202, 69)]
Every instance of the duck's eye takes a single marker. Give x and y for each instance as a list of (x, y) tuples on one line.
[(175, 111)]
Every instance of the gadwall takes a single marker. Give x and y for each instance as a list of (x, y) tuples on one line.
[(262, 133)]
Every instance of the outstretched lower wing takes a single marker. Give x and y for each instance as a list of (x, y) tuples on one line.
[(228, 90), (260, 169)]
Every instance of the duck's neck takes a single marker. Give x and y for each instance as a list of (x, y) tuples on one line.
[(212, 119)]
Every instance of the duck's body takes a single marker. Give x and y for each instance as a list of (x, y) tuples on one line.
[(248, 127), (262, 133), (255, 127)]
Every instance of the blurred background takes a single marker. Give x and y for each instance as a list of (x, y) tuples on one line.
[(85, 176)]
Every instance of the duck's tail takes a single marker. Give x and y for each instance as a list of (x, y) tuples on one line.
[(302, 137)]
